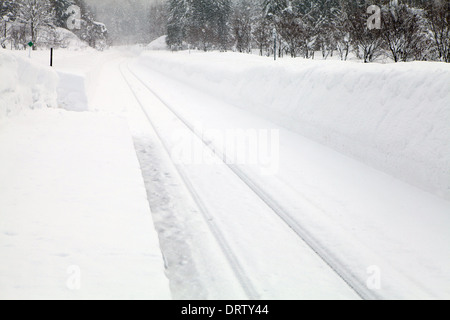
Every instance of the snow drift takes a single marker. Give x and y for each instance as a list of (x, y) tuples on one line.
[(24, 84), (394, 117), (68, 40), (158, 44)]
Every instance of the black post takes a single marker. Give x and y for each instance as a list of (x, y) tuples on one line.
[(275, 48), (51, 57), (275, 44)]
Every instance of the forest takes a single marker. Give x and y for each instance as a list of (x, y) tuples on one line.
[(38, 22), (409, 30)]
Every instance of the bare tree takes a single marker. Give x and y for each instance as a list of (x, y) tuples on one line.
[(35, 14), (367, 44), (402, 32), (340, 30), (263, 35), (292, 30)]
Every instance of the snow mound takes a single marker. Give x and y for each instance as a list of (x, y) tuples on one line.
[(68, 40), (158, 44), (25, 85), (393, 117)]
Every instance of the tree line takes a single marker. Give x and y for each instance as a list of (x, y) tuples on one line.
[(37, 21), (133, 21), (409, 30)]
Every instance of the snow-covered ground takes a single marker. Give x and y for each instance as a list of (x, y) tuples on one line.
[(74, 217), (349, 187), (391, 116), (25, 85), (371, 220), (158, 44)]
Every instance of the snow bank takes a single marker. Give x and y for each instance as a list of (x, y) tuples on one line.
[(75, 219), (60, 38), (394, 117), (24, 84), (68, 40), (158, 44)]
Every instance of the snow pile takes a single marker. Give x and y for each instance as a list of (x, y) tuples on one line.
[(158, 44), (24, 84), (59, 38), (394, 117), (68, 40)]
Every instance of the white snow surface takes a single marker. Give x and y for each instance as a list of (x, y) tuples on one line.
[(158, 44), (75, 222), (25, 85), (367, 219), (65, 38), (65, 174), (393, 117)]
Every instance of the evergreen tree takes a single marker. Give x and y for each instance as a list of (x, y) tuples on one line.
[(273, 9), (157, 17), (203, 24), (245, 19), (200, 28), (60, 9), (177, 22), (94, 33), (8, 9)]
